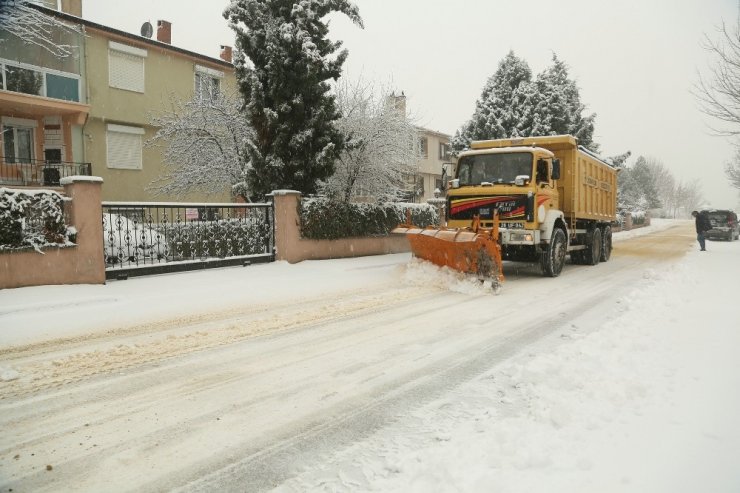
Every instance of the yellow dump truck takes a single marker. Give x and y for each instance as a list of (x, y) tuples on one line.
[(551, 196), (531, 199)]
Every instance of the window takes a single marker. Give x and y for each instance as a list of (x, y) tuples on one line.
[(23, 80), (444, 151), (17, 143), (207, 83), (60, 87), (207, 88), (424, 146), (31, 79), (126, 67), (124, 147)]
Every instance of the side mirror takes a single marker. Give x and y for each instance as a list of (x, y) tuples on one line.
[(455, 183), (556, 169)]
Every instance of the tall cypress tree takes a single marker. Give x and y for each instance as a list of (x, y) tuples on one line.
[(283, 64), (559, 108), (514, 105), (500, 110)]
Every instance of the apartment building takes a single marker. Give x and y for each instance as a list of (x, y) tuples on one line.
[(96, 107), (43, 109)]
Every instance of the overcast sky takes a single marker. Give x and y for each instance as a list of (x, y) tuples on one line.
[(635, 62)]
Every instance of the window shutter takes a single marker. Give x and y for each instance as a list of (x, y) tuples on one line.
[(126, 71), (124, 147)]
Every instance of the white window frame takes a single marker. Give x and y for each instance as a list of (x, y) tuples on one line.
[(124, 129), (130, 51), (43, 71), (15, 124), (209, 74)]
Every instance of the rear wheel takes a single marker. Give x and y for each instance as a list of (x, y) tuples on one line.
[(606, 243), (592, 254), (553, 258)]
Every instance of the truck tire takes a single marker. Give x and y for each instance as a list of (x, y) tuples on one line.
[(553, 258), (606, 243), (592, 254)]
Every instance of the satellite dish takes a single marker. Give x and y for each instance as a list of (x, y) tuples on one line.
[(147, 30)]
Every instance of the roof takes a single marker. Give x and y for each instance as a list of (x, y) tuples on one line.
[(133, 37)]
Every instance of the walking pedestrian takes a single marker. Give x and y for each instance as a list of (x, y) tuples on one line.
[(702, 226)]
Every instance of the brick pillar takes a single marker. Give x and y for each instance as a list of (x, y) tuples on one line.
[(287, 224), (86, 215)]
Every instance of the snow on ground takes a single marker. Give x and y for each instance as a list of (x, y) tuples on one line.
[(648, 402)]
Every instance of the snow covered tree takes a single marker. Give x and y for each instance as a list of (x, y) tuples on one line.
[(22, 20), (719, 91), (557, 108), (379, 147), (500, 110), (284, 63), (732, 170), (665, 183), (205, 141), (637, 189), (514, 105)]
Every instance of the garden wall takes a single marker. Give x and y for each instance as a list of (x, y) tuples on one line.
[(80, 264), (292, 248)]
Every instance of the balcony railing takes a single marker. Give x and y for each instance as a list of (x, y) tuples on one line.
[(34, 173)]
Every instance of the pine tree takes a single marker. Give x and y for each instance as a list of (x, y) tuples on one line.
[(514, 105), (558, 106), (284, 62), (500, 109)]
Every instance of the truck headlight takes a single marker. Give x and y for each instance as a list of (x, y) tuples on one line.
[(521, 237)]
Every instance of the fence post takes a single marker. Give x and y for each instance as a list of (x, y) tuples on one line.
[(86, 215), (287, 224)]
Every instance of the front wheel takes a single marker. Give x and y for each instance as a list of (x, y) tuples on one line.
[(553, 258)]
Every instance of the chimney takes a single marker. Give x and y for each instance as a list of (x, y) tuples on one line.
[(72, 7), (398, 103), (164, 32), (226, 53)]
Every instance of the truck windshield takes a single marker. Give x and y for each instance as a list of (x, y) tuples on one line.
[(494, 168)]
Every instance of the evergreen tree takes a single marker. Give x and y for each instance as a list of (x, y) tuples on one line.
[(500, 110), (558, 109), (514, 105), (283, 64)]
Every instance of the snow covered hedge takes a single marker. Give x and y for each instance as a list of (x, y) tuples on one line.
[(33, 218), (322, 219)]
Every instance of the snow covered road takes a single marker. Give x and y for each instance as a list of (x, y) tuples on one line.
[(250, 384)]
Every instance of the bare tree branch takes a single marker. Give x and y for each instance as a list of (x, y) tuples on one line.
[(381, 145), (204, 144), (19, 18)]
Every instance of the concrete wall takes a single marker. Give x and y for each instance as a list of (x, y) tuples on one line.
[(292, 248), (81, 264)]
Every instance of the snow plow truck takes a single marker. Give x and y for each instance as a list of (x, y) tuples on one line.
[(533, 199)]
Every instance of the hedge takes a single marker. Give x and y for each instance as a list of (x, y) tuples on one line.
[(33, 219), (322, 219)]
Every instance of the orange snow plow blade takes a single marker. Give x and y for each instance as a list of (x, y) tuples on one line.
[(471, 250)]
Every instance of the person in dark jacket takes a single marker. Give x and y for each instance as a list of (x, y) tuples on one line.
[(702, 226)]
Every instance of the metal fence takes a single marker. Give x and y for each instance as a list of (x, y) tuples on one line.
[(153, 237), (32, 172)]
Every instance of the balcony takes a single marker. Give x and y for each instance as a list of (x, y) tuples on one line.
[(36, 173)]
